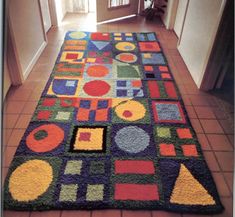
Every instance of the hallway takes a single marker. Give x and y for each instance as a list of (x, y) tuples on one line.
[(214, 127)]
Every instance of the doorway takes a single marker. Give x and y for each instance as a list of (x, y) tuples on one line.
[(81, 11), (76, 9), (92, 6), (99, 13), (81, 6)]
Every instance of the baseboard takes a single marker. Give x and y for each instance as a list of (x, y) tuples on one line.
[(34, 60)]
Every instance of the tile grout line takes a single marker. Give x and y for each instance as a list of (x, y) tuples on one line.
[(230, 190), (222, 172), (212, 145)]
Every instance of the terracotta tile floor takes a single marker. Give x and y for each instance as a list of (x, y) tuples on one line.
[(210, 123)]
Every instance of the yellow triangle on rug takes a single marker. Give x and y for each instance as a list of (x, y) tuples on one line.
[(189, 191)]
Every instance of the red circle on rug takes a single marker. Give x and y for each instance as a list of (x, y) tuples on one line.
[(51, 137), (97, 71), (96, 88), (127, 114)]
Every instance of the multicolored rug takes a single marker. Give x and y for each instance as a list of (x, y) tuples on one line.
[(110, 131)]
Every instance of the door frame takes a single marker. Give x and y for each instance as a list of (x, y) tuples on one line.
[(55, 19), (11, 53), (169, 16), (52, 9), (220, 52)]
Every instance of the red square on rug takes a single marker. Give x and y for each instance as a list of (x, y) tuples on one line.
[(49, 102), (44, 115), (190, 150), (184, 133), (134, 167), (71, 56), (98, 36), (167, 150), (136, 192)]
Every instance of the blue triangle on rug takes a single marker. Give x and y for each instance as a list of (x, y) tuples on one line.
[(100, 44)]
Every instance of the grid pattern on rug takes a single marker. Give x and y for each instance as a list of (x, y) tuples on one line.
[(110, 131)]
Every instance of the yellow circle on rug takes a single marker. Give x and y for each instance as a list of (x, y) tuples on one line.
[(125, 46), (130, 110), (77, 35), (30, 180)]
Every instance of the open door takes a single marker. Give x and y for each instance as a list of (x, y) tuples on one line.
[(108, 10)]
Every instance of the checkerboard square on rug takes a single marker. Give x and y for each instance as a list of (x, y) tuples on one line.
[(111, 131)]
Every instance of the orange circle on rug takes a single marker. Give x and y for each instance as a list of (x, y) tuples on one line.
[(45, 138), (96, 88), (126, 57), (97, 71)]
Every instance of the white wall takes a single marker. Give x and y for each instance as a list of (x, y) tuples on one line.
[(180, 15), (27, 32), (201, 24)]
